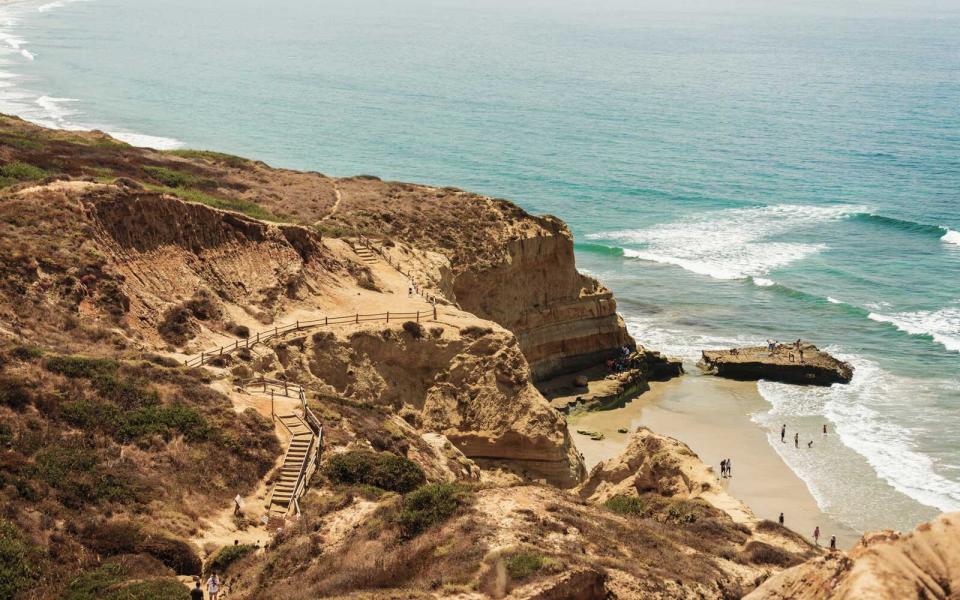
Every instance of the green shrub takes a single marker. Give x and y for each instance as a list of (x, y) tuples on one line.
[(383, 470), (170, 177), (21, 171), (761, 553), (626, 505), (14, 394), (26, 353), (524, 564), (241, 206), (92, 584), (166, 421), (19, 562), (429, 505), (81, 366), (227, 556), (218, 157), (114, 538)]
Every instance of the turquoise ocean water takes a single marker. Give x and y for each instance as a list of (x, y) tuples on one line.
[(733, 171)]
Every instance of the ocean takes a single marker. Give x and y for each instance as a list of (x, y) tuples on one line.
[(733, 170)]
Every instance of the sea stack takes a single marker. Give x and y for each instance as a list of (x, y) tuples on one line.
[(806, 366)]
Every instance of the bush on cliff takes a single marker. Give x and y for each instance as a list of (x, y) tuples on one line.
[(113, 538), (226, 556), (383, 470), (415, 330), (429, 505), (19, 560), (626, 505)]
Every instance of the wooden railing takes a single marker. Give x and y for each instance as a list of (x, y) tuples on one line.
[(270, 334)]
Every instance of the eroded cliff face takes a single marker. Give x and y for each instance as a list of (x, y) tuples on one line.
[(563, 320), (886, 565), (472, 386)]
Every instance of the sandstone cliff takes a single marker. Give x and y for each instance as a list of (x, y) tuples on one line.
[(886, 565)]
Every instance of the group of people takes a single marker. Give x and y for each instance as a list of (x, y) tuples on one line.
[(796, 436), (772, 346), (725, 468), (622, 362), (213, 588)]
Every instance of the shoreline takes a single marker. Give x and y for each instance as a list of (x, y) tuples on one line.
[(713, 417)]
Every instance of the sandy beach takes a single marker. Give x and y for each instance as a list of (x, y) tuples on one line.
[(712, 416)]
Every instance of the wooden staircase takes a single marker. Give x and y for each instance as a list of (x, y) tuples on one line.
[(298, 464), (366, 254)]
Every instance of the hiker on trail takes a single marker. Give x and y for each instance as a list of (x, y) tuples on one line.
[(196, 593), (409, 291), (810, 444), (770, 346), (796, 440), (781, 519), (213, 586), (816, 535), (783, 433), (833, 542)]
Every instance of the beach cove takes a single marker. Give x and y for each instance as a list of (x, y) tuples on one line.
[(713, 417)]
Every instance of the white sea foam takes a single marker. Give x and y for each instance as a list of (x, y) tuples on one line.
[(54, 5), (870, 416), (730, 244), (147, 141), (833, 300), (55, 109), (942, 325), (763, 282), (951, 237)]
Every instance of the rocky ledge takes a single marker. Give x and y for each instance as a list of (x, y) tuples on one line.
[(807, 365)]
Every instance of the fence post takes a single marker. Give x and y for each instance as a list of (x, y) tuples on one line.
[(221, 350), (272, 412), (434, 312), (258, 336), (325, 321), (358, 318), (201, 358), (298, 324), (418, 316), (276, 331), (388, 316), (285, 388)]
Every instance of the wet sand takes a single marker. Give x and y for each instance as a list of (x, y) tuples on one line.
[(712, 416)]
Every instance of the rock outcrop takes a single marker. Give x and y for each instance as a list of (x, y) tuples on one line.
[(809, 366), (886, 565)]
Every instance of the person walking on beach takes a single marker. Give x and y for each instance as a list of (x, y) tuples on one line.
[(810, 444), (796, 440), (816, 535), (783, 433), (213, 586), (824, 429), (833, 543), (780, 519)]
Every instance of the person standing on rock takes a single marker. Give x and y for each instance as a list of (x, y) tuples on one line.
[(796, 440), (833, 543), (783, 433), (723, 468), (780, 519), (816, 535), (729, 468)]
